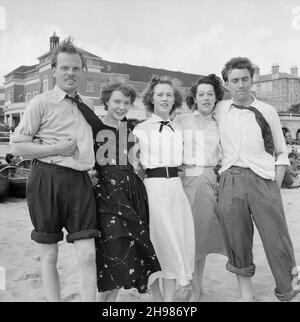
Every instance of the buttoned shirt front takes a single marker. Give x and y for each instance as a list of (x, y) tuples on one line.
[(50, 117), (159, 149), (242, 142), (200, 139)]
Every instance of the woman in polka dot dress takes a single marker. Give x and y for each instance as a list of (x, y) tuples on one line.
[(124, 253)]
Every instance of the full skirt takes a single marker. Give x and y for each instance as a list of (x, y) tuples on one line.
[(202, 194), (171, 229), (125, 256)]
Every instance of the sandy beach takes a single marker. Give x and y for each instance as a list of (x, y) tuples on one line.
[(19, 257)]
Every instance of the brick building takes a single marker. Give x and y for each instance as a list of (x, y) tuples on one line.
[(25, 82), (278, 89)]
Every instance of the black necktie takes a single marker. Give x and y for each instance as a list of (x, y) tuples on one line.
[(88, 114), (163, 123), (264, 126)]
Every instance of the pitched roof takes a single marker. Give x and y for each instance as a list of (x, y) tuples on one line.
[(89, 54), (268, 77), (24, 69), (143, 73)]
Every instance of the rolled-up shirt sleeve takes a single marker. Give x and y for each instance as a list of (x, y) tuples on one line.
[(30, 123), (281, 152)]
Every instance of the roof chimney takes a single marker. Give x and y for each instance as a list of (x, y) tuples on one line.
[(275, 69), (294, 70)]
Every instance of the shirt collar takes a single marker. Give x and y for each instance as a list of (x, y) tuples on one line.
[(198, 114), (230, 102), (156, 119), (60, 94)]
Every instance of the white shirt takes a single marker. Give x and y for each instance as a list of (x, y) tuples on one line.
[(159, 149), (200, 139), (50, 117), (242, 142)]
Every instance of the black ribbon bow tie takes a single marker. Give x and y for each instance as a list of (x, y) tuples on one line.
[(89, 115), (163, 123), (264, 126)]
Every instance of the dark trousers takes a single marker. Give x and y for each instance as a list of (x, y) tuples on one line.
[(245, 197)]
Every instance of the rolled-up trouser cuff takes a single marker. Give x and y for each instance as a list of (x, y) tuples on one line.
[(287, 296), (45, 238), (245, 272), (84, 234)]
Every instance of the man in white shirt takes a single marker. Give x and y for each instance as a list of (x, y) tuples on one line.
[(254, 160), (59, 192)]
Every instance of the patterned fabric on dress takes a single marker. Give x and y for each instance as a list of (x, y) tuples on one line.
[(263, 124), (125, 256)]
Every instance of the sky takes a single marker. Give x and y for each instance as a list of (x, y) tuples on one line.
[(194, 36)]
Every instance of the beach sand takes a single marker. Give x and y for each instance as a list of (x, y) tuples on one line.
[(19, 257)]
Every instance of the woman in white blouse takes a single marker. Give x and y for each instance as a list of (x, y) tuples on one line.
[(171, 220), (201, 155)]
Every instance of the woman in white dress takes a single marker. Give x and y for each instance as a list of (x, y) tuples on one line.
[(201, 155), (171, 219)]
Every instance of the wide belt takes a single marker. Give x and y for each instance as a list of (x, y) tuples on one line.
[(162, 172)]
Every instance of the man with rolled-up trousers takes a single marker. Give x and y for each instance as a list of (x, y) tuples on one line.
[(59, 192), (254, 160)]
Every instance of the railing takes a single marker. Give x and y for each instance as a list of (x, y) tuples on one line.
[(5, 137), (289, 114)]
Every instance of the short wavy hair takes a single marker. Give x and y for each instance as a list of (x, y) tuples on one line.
[(67, 46), (127, 90), (211, 79), (149, 91), (237, 63)]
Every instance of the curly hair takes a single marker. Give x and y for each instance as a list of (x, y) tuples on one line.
[(190, 102), (211, 79), (237, 63), (127, 90), (149, 91), (67, 46)]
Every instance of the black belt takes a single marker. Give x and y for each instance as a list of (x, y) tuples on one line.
[(163, 172)]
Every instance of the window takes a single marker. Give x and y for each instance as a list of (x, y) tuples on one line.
[(89, 62), (266, 87), (90, 86), (45, 85)]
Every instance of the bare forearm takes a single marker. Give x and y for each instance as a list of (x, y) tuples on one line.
[(279, 173), (32, 150)]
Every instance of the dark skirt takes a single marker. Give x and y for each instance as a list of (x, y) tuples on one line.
[(125, 256)]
